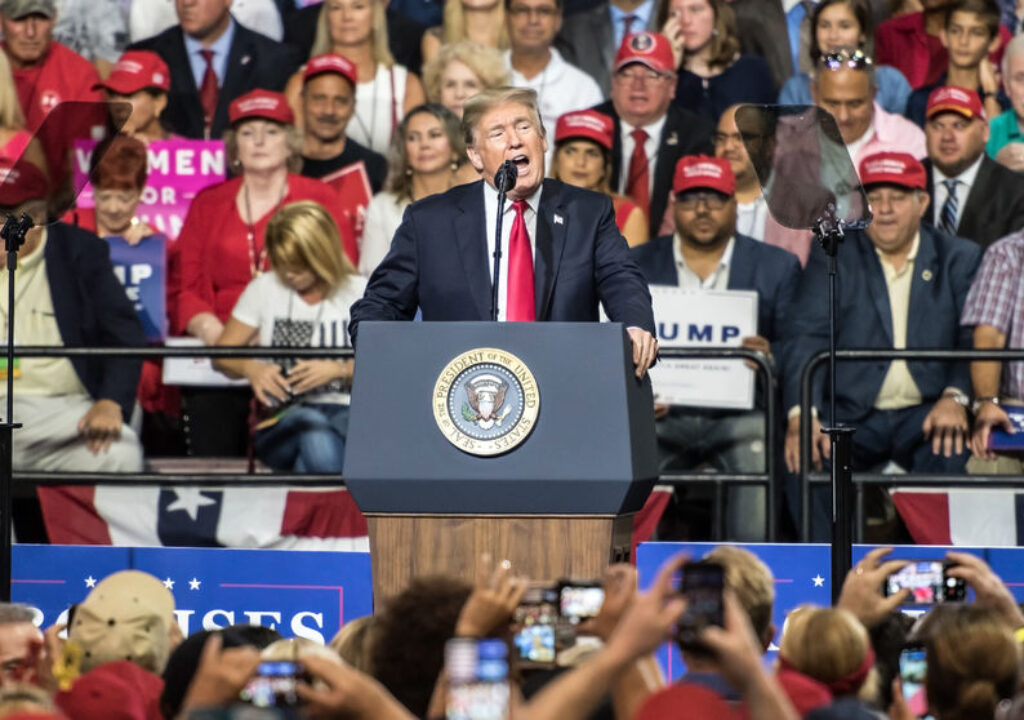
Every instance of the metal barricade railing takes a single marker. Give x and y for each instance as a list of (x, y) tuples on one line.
[(807, 477)]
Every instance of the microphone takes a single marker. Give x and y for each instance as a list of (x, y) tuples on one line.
[(506, 176)]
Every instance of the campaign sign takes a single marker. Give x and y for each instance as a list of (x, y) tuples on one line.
[(142, 269), (354, 192), (178, 170), (299, 594), (703, 318)]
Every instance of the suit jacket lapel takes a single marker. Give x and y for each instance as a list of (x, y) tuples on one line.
[(664, 169), (188, 95), (926, 273), (239, 58), (552, 225), (471, 239), (933, 209), (980, 192), (878, 290)]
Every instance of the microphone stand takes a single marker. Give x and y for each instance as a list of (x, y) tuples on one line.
[(504, 180), (13, 234)]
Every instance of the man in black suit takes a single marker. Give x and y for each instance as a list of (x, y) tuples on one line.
[(213, 60), (563, 253), (973, 196), (643, 86)]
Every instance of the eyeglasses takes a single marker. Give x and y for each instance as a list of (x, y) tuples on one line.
[(644, 76), (855, 60), (693, 200), (521, 11)]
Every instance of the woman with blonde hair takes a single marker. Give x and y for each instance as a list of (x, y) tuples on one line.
[(304, 302), (15, 141), (461, 70), (357, 29), (481, 21)]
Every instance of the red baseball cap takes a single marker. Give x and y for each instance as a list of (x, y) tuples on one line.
[(952, 98), (703, 171), (21, 181), (588, 124), (893, 168), (330, 63), (261, 104), (647, 48), (137, 70)]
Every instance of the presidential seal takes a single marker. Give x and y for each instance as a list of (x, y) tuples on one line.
[(486, 401)]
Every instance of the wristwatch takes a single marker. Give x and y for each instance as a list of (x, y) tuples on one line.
[(958, 396), (994, 399)]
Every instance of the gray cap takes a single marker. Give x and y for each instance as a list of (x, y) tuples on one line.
[(17, 9)]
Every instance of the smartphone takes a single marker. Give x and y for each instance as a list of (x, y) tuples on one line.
[(579, 600), (534, 624), (478, 679), (913, 669), (274, 684), (928, 581), (701, 585)]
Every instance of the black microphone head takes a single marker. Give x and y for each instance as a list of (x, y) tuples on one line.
[(505, 178)]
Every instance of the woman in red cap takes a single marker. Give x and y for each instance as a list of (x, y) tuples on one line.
[(138, 84), (583, 157), (221, 248)]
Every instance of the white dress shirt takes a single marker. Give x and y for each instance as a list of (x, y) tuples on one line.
[(509, 216), (752, 217), (689, 280), (650, 147), (963, 189)]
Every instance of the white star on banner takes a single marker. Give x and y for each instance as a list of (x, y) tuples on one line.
[(90, 582), (169, 584), (194, 584), (818, 580), (189, 500)]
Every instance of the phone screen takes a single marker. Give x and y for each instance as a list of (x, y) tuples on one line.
[(913, 668), (535, 639), (273, 685), (927, 581), (478, 674), (701, 585), (580, 601)]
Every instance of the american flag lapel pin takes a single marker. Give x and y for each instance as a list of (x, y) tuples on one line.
[(559, 220), (245, 59)]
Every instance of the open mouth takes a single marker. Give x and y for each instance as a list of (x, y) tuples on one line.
[(522, 162)]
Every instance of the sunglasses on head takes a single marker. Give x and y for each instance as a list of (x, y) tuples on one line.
[(856, 60)]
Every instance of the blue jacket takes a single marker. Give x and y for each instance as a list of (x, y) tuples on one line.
[(943, 270)]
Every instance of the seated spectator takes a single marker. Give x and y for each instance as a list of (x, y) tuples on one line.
[(352, 643), (328, 103), (911, 412), (970, 35), (972, 196), (651, 132), (426, 158), (479, 23), (21, 643), (74, 411), (1005, 140), (147, 18), (222, 250), (753, 217), (15, 141), (583, 157), (213, 60), (838, 24), (461, 70), (712, 75), (385, 90), (706, 253), (303, 303), (138, 84), (534, 63), (844, 84)]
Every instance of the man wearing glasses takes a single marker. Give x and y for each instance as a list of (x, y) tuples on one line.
[(651, 133), (843, 83)]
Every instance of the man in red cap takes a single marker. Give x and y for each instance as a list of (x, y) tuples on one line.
[(706, 253), (651, 133), (139, 80), (902, 284), (972, 196), (328, 103)]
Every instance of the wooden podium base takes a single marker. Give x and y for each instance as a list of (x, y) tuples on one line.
[(541, 547)]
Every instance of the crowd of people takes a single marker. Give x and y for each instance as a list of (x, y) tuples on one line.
[(331, 136), (122, 654)]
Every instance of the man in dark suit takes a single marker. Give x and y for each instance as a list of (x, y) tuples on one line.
[(902, 284), (972, 196), (706, 253), (213, 60), (643, 85), (563, 253)]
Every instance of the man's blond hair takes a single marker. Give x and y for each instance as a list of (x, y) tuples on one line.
[(483, 102)]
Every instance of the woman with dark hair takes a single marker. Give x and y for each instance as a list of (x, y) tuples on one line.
[(427, 156), (840, 24), (712, 73)]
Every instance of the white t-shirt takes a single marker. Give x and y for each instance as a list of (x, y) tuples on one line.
[(383, 216), (267, 303), (379, 107)]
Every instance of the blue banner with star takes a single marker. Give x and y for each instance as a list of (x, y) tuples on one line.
[(298, 593)]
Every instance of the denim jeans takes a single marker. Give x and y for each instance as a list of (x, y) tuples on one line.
[(308, 438)]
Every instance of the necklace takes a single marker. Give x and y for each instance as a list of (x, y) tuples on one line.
[(257, 266), (368, 131)]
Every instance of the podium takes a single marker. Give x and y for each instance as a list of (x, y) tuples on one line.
[(531, 441)]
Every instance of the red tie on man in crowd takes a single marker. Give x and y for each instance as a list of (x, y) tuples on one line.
[(520, 299), (638, 185), (209, 91)]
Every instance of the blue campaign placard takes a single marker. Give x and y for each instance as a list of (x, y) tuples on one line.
[(142, 269), (1008, 564), (299, 593)]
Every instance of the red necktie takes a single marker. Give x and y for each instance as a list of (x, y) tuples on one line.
[(208, 92), (638, 185), (521, 304)]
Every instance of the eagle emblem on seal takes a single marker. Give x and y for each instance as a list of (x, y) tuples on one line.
[(486, 396)]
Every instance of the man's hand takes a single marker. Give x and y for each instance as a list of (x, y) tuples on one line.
[(101, 425), (821, 444), (1011, 155), (344, 692), (220, 676), (988, 77), (989, 590), (268, 384), (650, 617), (990, 416), (619, 590), (862, 588), (308, 375), (947, 427), (735, 646), (645, 349), (756, 342), (493, 600)]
